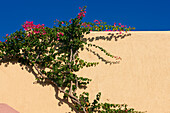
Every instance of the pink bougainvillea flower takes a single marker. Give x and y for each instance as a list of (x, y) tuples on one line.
[(83, 24), (0, 41), (62, 22), (122, 25), (84, 11), (43, 25), (6, 34), (120, 32), (70, 21), (79, 7), (28, 25), (36, 32), (43, 33), (119, 23), (78, 17), (58, 38), (81, 14), (114, 23), (37, 26), (97, 22), (61, 33), (5, 40), (28, 34)]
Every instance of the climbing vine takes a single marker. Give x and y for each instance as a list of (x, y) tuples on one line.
[(53, 52)]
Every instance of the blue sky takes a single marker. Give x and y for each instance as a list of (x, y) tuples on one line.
[(145, 15)]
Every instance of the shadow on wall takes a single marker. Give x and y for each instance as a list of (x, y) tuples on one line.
[(107, 38), (46, 82), (110, 36)]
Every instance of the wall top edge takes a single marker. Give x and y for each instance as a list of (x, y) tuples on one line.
[(130, 32)]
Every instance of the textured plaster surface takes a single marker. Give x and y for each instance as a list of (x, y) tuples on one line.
[(141, 79)]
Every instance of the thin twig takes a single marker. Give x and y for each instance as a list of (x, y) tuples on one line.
[(71, 55), (76, 86), (75, 55), (71, 84)]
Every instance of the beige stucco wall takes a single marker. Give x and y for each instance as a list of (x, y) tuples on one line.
[(141, 79)]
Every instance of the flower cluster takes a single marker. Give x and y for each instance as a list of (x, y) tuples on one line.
[(35, 29), (82, 13), (59, 34), (28, 26), (86, 25), (101, 26), (97, 22), (70, 21)]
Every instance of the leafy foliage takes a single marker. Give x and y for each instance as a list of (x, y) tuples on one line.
[(54, 54)]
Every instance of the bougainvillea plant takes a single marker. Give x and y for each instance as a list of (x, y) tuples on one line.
[(53, 52)]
